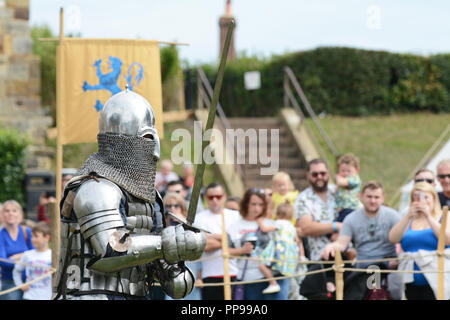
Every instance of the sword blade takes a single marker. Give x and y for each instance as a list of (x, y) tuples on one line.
[(200, 168)]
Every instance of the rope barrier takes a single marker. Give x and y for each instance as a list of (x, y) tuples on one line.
[(353, 262), (49, 272), (298, 275), (334, 268), (25, 264), (389, 271)]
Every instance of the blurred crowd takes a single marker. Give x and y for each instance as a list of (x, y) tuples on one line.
[(274, 234)]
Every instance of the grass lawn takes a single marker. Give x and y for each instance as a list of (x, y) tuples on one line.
[(389, 147)]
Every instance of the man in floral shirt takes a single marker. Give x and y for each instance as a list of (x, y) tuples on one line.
[(315, 208)]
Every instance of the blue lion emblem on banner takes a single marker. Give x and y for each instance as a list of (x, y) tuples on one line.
[(108, 81)]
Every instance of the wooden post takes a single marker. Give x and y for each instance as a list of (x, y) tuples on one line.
[(54, 239), (225, 253), (339, 275), (55, 219), (441, 257)]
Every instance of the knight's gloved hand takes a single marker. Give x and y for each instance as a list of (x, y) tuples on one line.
[(179, 244), (176, 280)]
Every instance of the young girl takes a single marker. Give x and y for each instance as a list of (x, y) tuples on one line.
[(282, 252), (283, 191)]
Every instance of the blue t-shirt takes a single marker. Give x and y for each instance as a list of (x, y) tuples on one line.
[(412, 241), (9, 247)]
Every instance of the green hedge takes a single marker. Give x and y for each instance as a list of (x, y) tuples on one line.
[(12, 165), (342, 81)]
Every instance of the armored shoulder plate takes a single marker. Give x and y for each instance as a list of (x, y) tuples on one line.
[(96, 206)]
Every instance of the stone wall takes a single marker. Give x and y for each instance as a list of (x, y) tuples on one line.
[(20, 104)]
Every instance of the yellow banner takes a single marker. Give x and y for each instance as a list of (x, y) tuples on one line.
[(90, 71)]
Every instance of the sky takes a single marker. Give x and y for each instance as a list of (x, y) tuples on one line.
[(263, 27)]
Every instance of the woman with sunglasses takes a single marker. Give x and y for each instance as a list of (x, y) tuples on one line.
[(419, 230), (425, 175), (175, 203), (422, 175)]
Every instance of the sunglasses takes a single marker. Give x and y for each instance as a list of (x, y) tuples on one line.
[(257, 190), (218, 197), (168, 206), (430, 181), (443, 176), (316, 174)]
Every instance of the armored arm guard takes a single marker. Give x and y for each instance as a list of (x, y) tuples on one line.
[(96, 206)]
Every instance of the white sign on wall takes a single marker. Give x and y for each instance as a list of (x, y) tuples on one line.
[(252, 80)]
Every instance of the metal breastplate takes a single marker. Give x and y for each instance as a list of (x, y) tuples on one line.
[(76, 252)]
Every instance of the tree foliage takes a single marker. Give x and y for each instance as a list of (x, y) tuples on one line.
[(12, 165), (340, 80), (46, 51)]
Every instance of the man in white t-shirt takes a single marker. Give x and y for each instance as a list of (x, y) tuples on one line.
[(211, 220)]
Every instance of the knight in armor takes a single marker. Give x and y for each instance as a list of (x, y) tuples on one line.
[(114, 240)]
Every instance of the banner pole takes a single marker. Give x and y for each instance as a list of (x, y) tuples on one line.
[(59, 148), (339, 275), (441, 257), (225, 253)]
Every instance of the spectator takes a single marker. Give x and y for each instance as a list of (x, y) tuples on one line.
[(368, 228), (422, 175), (419, 230), (175, 203), (248, 240), (36, 262), (188, 175), (165, 175), (301, 268), (232, 203), (67, 174), (348, 185), (283, 191), (443, 175), (177, 186), (425, 175), (282, 253), (42, 207), (212, 261), (315, 209), (14, 241)]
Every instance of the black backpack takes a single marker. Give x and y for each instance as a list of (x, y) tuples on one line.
[(314, 286)]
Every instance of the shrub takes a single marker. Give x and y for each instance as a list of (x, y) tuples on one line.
[(341, 81), (12, 165)]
